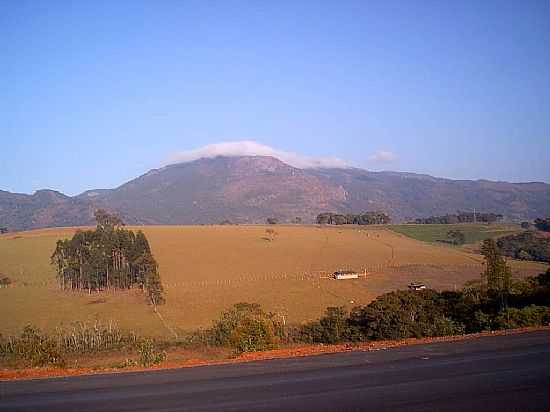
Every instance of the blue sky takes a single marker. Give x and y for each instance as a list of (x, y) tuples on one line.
[(96, 93)]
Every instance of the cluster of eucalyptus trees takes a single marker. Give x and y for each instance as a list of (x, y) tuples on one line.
[(366, 218), (109, 257)]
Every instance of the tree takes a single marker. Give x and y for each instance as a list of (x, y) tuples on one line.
[(543, 224), (526, 245), (107, 257), (366, 218), (456, 237), (271, 233), (497, 273), (403, 314), (334, 325), (106, 220)]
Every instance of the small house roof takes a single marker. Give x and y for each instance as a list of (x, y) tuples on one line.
[(345, 272)]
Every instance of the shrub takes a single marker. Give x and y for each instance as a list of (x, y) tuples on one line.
[(544, 279), (456, 237), (331, 328), (83, 337), (270, 234), (32, 347), (532, 315), (482, 322), (246, 328), (148, 355), (403, 314)]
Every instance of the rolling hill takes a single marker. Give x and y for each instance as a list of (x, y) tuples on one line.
[(248, 189)]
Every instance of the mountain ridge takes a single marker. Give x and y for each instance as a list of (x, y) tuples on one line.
[(248, 189)]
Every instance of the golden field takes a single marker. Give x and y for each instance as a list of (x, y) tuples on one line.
[(205, 269)]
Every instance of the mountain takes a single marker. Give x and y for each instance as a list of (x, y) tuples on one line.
[(44, 208), (249, 189)]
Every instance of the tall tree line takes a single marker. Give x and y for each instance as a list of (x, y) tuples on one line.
[(366, 218), (460, 217), (109, 257)]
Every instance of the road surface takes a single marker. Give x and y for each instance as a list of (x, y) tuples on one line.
[(501, 373)]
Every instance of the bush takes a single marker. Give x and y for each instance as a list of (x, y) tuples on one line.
[(404, 314), (148, 355), (33, 348), (331, 328), (456, 237), (532, 315), (482, 322), (246, 328)]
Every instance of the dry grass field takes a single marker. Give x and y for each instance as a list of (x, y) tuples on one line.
[(205, 269)]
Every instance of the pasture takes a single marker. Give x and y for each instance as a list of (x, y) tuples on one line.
[(205, 269), (438, 233)]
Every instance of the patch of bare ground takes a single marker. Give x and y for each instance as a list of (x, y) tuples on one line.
[(181, 358)]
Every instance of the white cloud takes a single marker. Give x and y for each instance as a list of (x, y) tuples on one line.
[(382, 156), (252, 148)]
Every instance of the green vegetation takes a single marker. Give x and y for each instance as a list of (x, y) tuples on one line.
[(32, 347), (456, 237), (245, 327), (460, 217), (543, 224), (148, 354), (526, 246), (492, 304), (439, 232), (109, 257), (83, 337), (497, 274), (366, 218)]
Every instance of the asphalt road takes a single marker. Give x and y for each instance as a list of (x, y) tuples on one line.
[(501, 373)]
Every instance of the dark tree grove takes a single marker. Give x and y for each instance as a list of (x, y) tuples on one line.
[(109, 257), (543, 224), (366, 218), (460, 217), (526, 246)]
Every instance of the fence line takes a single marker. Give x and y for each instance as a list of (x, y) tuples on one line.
[(371, 269)]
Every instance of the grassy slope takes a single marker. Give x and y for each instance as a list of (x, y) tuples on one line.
[(438, 233), (205, 269)]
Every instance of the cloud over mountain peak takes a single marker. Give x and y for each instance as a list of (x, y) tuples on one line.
[(252, 148)]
